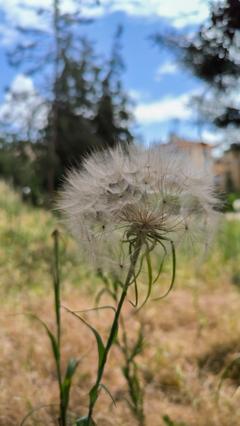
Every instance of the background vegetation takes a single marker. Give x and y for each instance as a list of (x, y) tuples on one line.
[(189, 337)]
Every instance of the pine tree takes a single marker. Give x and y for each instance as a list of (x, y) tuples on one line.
[(213, 55), (86, 106), (113, 117), (44, 54)]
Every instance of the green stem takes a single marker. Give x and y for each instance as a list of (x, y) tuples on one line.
[(57, 295), (114, 328), (57, 302), (130, 371)]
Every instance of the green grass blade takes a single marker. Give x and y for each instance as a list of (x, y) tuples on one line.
[(52, 338), (97, 336), (97, 308), (67, 382), (101, 293), (34, 410), (108, 392)]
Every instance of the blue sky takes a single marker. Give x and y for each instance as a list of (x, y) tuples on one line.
[(161, 90)]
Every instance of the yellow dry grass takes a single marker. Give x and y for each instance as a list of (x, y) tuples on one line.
[(190, 337)]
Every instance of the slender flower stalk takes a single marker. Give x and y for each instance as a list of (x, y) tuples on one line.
[(114, 328), (64, 380)]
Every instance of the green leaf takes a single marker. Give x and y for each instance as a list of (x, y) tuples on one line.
[(136, 275), (97, 308), (52, 338), (108, 393), (173, 271), (137, 349), (150, 277), (161, 263), (67, 382), (134, 304), (34, 410), (101, 293), (100, 345)]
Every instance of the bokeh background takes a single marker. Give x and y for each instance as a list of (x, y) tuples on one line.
[(78, 76)]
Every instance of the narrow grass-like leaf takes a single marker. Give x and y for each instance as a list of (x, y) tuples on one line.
[(67, 382), (101, 293), (173, 273), (97, 308), (135, 303), (103, 278), (52, 338), (97, 336), (34, 410), (150, 277), (137, 349), (139, 270), (108, 392), (161, 263)]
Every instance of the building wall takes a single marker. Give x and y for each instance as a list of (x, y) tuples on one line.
[(199, 152), (226, 170)]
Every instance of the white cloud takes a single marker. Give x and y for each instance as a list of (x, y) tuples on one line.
[(179, 13), (17, 12), (23, 108), (167, 68), (138, 95), (22, 84), (168, 108)]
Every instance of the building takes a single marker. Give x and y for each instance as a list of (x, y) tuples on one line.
[(199, 152), (226, 169)]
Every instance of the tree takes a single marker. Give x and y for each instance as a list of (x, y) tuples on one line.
[(213, 55), (17, 165), (42, 54), (113, 116), (86, 107), (77, 96)]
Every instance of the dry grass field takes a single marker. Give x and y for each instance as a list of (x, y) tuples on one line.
[(190, 337)]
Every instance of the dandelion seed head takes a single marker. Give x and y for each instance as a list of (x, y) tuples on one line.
[(143, 192)]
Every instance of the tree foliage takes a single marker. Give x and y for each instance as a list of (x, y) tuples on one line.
[(86, 107), (212, 53)]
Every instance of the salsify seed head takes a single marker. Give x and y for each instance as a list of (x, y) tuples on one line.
[(150, 194)]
